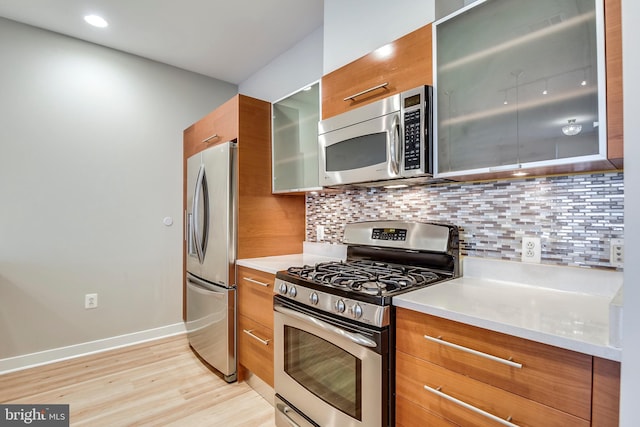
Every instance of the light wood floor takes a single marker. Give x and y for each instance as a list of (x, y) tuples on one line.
[(160, 383)]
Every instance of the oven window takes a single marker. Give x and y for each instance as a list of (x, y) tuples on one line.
[(324, 369), (358, 152)]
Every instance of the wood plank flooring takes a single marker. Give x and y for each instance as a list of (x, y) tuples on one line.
[(159, 383)]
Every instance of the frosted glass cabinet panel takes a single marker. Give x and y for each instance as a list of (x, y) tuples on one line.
[(519, 84), (295, 141)]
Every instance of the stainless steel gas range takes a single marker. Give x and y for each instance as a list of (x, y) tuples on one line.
[(334, 325)]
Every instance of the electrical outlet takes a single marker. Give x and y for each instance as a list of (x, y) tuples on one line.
[(91, 301), (531, 249), (319, 233), (616, 252)]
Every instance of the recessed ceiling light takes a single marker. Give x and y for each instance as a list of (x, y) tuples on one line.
[(96, 21)]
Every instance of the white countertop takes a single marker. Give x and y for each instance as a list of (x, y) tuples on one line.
[(566, 307), (313, 253)]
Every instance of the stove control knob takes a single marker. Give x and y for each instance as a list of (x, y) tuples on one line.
[(283, 288), (357, 311), (293, 291), (340, 306), (313, 298)]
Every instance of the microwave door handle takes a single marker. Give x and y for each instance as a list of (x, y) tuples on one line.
[(354, 337), (394, 145)]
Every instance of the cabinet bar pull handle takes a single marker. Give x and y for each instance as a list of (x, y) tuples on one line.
[(252, 335), (476, 352), (204, 141), (371, 89), (248, 279), (472, 408)]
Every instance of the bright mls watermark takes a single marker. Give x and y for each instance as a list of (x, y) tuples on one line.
[(34, 415)]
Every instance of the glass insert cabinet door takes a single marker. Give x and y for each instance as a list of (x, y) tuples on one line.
[(519, 83), (295, 141)]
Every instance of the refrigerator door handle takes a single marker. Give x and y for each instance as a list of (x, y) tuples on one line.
[(191, 249), (200, 236)]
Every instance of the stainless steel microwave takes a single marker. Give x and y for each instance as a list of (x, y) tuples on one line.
[(382, 141)]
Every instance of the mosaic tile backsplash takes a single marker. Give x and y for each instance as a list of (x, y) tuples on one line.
[(574, 216)]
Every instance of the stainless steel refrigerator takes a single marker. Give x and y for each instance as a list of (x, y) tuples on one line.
[(211, 237)]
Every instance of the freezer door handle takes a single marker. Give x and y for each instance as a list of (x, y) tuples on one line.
[(203, 287)]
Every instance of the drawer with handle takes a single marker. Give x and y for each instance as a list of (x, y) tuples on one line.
[(550, 375), (466, 401), (255, 295), (408, 412), (255, 348)]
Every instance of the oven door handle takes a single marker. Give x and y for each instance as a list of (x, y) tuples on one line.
[(352, 336)]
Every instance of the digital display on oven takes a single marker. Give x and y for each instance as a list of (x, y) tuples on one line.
[(410, 101), (389, 234)]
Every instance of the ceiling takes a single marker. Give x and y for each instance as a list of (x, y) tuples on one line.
[(225, 39)]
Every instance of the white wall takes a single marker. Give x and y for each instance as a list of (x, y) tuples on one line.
[(296, 68), (630, 413), (90, 164), (356, 27)]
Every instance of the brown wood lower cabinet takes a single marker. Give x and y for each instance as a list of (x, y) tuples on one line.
[(255, 348), (409, 414), (606, 393), (523, 382), (255, 323), (449, 392)]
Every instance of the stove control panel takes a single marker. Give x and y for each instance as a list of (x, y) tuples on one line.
[(361, 311), (398, 234)]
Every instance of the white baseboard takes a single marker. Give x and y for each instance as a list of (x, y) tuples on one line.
[(31, 360)]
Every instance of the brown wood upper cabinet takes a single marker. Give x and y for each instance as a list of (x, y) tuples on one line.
[(401, 65), (613, 52), (267, 224)]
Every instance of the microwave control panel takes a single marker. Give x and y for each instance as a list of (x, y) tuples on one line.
[(412, 139)]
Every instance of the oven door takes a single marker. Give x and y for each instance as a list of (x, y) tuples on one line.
[(327, 373)]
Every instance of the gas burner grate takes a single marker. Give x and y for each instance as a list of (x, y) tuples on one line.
[(366, 276)]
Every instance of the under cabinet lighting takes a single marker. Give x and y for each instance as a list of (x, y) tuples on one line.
[(396, 186), (96, 21), (520, 174)]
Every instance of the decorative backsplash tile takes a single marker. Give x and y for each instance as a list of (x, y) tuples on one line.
[(574, 216)]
